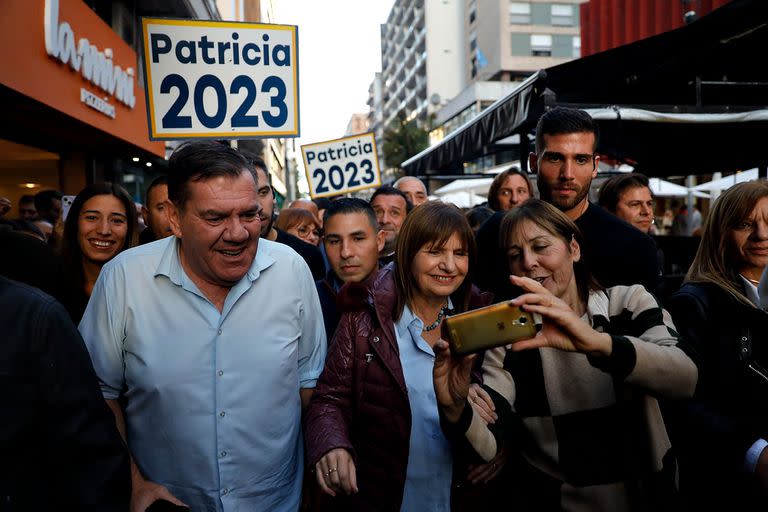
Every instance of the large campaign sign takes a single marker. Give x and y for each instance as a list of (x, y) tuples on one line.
[(341, 166), (220, 79)]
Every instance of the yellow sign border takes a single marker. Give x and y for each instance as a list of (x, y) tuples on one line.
[(153, 135), (376, 183)]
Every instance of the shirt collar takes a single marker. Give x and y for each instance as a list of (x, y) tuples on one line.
[(170, 263), (410, 322), (751, 292)]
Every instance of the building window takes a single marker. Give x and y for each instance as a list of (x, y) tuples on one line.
[(541, 45), (562, 15), (576, 47), (472, 11), (472, 42), (520, 13)]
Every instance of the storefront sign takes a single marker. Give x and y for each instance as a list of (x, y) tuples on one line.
[(82, 56), (342, 165), (220, 79)]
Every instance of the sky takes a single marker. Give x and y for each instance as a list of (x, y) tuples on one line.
[(339, 53)]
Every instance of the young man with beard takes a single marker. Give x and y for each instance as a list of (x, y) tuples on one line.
[(311, 254), (565, 162)]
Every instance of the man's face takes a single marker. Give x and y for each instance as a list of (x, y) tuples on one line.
[(266, 201), (54, 214), (636, 207), (352, 246), (565, 169), (414, 190), (219, 229), (27, 211), (390, 214), (155, 214)]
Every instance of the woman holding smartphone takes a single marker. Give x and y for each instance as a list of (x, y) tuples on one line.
[(578, 400), (372, 430)]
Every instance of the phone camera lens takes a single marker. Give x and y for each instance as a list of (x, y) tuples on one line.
[(522, 320)]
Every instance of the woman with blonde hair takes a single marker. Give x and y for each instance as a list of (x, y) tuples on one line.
[(721, 434)]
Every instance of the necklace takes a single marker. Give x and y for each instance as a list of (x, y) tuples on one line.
[(753, 281), (440, 315)]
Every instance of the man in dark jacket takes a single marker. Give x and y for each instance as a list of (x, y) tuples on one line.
[(59, 446), (566, 162), (309, 253), (352, 241)]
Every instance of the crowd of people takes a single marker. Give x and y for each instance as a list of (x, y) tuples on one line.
[(232, 357)]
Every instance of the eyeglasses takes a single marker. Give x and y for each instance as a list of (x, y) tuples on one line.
[(304, 231)]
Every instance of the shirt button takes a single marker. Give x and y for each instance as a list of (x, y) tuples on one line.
[(219, 331), (222, 413), (223, 454), (221, 372), (225, 491)]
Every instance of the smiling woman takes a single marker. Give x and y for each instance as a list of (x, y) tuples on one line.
[(402, 459), (101, 223)]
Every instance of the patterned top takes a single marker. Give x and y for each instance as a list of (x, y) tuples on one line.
[(589, 428)]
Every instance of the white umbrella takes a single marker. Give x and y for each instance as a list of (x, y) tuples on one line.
[(462, 199), (728, 181), (664, 188), (476, 186)]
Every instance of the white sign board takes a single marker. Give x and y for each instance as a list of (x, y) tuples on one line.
[(220, 79), (341, 166)]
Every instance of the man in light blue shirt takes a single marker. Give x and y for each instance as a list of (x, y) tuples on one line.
[(212, 345)]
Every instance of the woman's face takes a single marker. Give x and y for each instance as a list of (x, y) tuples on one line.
[(307, 231), (536, 253), (513, 191), (101, 228), (439, 271), (749, 241)]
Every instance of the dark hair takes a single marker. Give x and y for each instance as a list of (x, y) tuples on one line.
[(552, 220), (71, 252), (714, 262), (27, 198), (293, 217), (199, 160), (560, 120), (498, 181), (160, 180), (477, 216), (612, 189), (347, 205), (387, 190), (23, 226), (433, 223), (322, 202), (44, 199)]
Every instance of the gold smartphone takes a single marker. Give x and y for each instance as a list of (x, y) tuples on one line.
[(489, 327)]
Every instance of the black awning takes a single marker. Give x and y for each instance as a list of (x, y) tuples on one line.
[(675, 97)]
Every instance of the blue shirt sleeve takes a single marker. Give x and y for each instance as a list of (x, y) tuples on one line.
[(312, 345), (103, 329)]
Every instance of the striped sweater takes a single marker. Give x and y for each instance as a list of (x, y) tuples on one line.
[(588, 428)]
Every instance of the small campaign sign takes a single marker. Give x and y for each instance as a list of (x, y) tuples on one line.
[(341, 166), (220, 79)]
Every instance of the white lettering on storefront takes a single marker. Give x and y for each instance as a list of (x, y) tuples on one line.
[(95, 66)]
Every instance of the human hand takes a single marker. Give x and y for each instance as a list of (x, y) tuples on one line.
[(484, 473), (451, 376), (481, 401), (335, 471), (562, 329), (144, 493)]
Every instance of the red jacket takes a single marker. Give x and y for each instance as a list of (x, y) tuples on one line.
[(361, 400)]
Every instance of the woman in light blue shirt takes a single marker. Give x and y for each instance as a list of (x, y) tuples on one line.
[(373, 432)]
